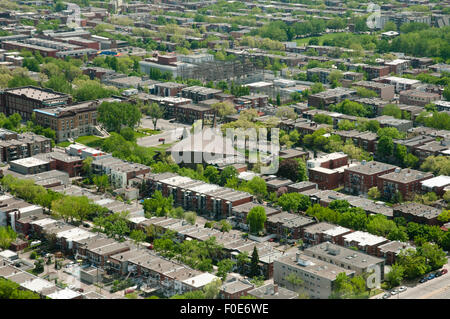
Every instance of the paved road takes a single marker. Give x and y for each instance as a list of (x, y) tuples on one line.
[(437, 288), (171, 132)]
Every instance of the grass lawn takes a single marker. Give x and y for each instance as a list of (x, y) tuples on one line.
[(161, 147), (320, 38), (89, 140), (63, 144), (141, 132)]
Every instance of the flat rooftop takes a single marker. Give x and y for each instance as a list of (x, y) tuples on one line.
[(406, 175), (371, 168), (342, 255), (36, 93), (314, 266)]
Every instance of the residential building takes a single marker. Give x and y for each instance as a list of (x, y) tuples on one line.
[(418, 213), (364, 241), (347, 258), (272, 291), (332, 96), (384, 91), (436, 184), (359, 179), (24, 100), (391, 250), (287, 226), (317, 276), (416, 97), (405, 181)]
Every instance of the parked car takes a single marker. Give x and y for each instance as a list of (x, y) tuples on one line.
[(386, 295), (394, 292), (80, 290), (444, 271), (424, 279), (431, 276), (438, 273), (402, 289)]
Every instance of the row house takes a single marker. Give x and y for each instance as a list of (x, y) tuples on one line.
[(320, 232), (288, 226), (359, 179), (119, 172), (376, 71), (23, 146), (198, 195), (188, 113), (240, 212), (405, 181), (418, 213), (384, 91), (390, 251), (364, 241), (365, 140), (332, 96)]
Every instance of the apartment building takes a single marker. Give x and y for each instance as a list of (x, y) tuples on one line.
[(347, 258), (359, 179), (364, 241), (405, 181), (17, 146), (24, 100), (198, 195), (384, 91), (317, 276), (416, 97), (418, 213)]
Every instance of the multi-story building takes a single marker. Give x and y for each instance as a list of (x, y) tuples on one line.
[(23, 145), (198, 195), (384, 91), (317, 276), (23, 100), (376, 71), (405, 181), (168, 88), (70, 122), (348, 259), (287, 226), (416, 97), (359, 179), (332, 96), (418, 213)]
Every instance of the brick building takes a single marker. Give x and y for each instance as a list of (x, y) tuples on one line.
[(416, 97), (23, 100), (406, 181), (70, 122), (384, 91), (418, 213), (359, 179)]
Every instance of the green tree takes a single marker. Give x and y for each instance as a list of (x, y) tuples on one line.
[(258, 187), (224, 266), (254, 263), (156, 113), (190, 217), (374, 193), (294, 202), (138, 236), (385, 146), (158, 204), (101, 181), (7, 236), (256, 218), (392, 110)]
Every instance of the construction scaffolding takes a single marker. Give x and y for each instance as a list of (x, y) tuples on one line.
[(236, 70)]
